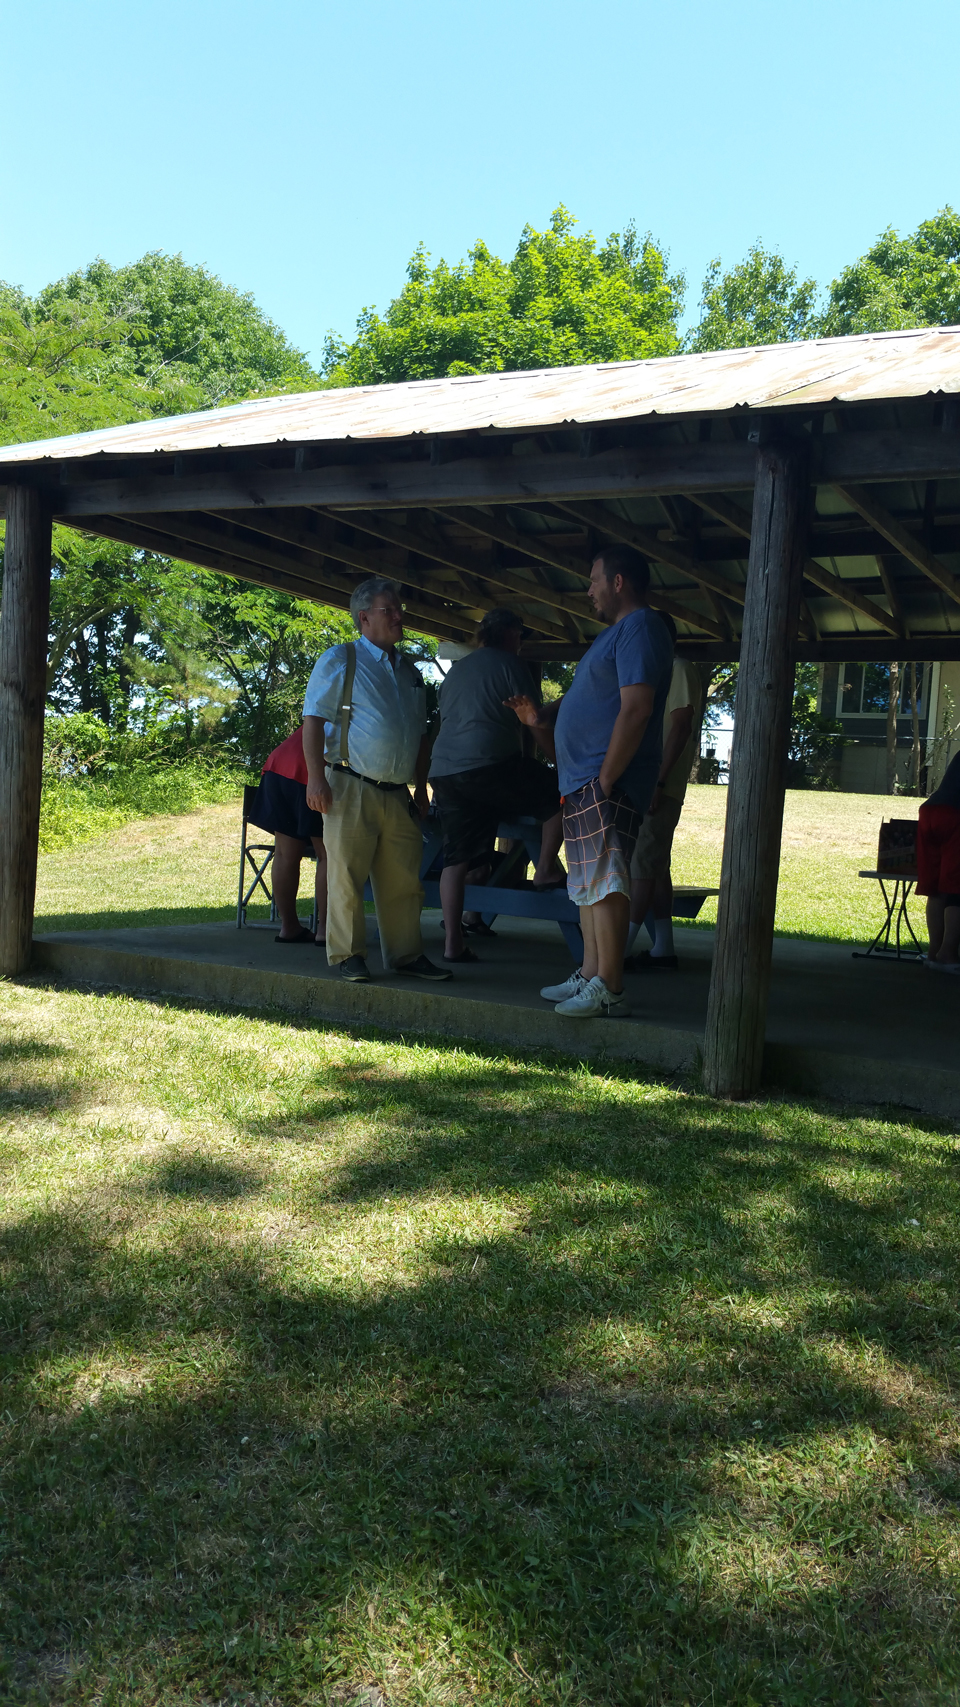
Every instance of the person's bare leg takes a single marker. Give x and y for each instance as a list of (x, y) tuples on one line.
[(934, 925), (611, 917), (949, 951), (641, 898), (320, 888), (590, 962), (287, 854), (453, 880), (549, 869)]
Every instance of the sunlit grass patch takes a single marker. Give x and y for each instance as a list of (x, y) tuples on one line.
[(333, 1361)]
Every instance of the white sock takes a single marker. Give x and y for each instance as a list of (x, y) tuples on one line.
[(632, 935), (663, 941)]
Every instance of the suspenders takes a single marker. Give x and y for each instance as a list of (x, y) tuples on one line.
[(346, 698)]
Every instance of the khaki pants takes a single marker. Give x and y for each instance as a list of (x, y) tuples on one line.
[(369, 832)]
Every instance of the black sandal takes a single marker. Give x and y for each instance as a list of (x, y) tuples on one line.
[(479, 929), (288, 941), (466, 958)]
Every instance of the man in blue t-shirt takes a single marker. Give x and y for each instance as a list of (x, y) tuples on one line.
[(607, 741)]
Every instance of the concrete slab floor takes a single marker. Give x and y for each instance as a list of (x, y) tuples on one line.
[(866, 1028)]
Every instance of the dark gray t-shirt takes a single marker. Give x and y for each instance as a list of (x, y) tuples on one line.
[(476, 728), (948, 794)]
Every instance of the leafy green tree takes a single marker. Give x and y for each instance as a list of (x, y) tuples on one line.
[(759, 301), (901, 281), (559, 301), (185, 329), (65, 371)]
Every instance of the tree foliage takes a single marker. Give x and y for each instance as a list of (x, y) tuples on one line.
[(108, 345), (759, 301), (901, 281), (559, 301)]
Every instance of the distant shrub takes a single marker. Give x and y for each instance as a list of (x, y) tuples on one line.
[(77, 808)]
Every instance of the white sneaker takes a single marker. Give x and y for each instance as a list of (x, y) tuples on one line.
[(570, 987), (594, 1000)]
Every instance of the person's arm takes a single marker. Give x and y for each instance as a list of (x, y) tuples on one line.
[(678, 734), (636, 704), (420, 795), (319, 793), (539, 719)]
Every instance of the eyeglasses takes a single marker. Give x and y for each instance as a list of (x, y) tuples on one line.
[(384, 610)]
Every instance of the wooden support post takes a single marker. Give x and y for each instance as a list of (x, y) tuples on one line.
[(24, 618), (740, 980)]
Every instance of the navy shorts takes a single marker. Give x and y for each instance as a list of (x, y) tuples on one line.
[(280, 806)]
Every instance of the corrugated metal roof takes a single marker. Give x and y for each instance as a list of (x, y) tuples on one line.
[(820, 372)]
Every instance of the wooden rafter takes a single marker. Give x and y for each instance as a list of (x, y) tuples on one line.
[(662, 551), (826, 579), (321, 585), (831, 583), (228, 535), (912, 549), (494, 529), (432, 545)]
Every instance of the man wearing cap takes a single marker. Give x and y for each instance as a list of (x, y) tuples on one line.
[(479, 773)]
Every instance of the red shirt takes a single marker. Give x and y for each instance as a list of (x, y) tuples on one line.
[(288, 760)]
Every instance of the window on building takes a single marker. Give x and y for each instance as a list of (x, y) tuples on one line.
[(864, 690)]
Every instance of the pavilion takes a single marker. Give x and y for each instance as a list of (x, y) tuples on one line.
[(797, 501)]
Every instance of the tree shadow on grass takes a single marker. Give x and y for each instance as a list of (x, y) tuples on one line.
[(470, 1454), (200, 1176)]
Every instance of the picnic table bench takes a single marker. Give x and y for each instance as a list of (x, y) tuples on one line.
[(489, 899), (497, 896)]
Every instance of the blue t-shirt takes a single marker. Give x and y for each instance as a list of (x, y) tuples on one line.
[(635, 650)]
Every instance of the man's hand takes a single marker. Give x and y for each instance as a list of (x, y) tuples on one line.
[(655, 799), (421, 799), (319, 793), (525, 709)]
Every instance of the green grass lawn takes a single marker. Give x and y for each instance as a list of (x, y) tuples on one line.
[(170, 870), (338, 1370)]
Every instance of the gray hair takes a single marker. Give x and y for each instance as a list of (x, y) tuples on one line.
[(372, 588)]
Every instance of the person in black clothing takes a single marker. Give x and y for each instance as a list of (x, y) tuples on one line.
[(479, 773)]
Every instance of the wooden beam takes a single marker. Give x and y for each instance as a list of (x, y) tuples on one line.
[(662, 551), (659, 598), (889, 587), (833, 584), (912, 549), (412, 480), (738, 519), (323, 585), (723, 511), (234, 537), (743, 949), (834, 649), (532, 544), (433, 546), (24, 623), (279, 527)]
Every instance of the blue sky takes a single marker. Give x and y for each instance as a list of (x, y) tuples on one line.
[(302, 151)]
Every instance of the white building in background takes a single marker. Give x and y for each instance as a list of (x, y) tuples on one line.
[(858, 695)]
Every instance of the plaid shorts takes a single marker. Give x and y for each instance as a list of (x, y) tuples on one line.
[(599, 836)]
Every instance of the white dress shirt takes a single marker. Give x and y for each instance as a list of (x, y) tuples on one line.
[(388, 718)]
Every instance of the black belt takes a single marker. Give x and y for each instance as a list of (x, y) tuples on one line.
[(391, 787)]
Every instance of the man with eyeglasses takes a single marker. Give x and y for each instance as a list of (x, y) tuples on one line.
[(365, 741)]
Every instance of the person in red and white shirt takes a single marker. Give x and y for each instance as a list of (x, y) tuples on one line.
[(280, 806)]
